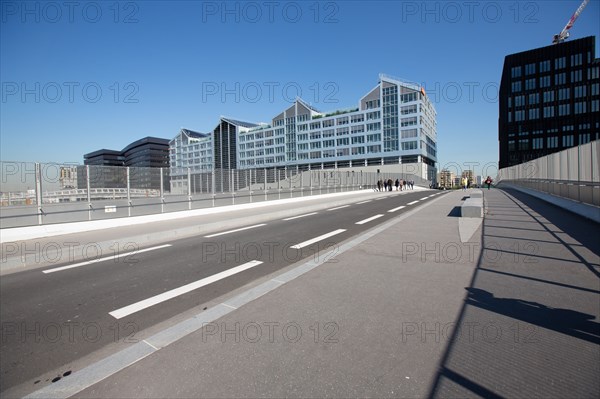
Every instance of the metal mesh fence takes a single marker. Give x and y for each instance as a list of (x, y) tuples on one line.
[(36, 193)]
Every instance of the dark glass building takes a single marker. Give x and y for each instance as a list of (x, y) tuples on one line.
[(549, 100), (149, 152), (104, 157)]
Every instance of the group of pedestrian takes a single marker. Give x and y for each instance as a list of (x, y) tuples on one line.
[(387, 185)]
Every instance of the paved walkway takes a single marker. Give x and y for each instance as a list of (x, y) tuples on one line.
[(408, 311)]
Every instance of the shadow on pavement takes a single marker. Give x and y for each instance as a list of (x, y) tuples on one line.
[(471, 369)]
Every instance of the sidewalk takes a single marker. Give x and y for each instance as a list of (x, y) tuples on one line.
[(380, 318)]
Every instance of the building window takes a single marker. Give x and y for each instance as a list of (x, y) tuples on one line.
[(515, 72), (409, 145), (520, 101), (516, 87), (545, 81), (511, 145), (534, 113), (544, 66), (579, 91), (534, 98), (576, 59), (564, 109), (552, 142), (595, 89), (519, 116), (560, 79), (549, 111), (529, 69), (584, 138), (595, 106), (357, 118), (576, 76), (410, 133), (530, 84), (564, 94), (580, 107), (549, 96), (523, 144), (560, 63), (567, 141), (593, 73)]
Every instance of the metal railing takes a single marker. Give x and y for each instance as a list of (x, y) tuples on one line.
[(36, 194)]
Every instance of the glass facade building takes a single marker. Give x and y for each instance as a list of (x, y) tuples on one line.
[(393, 124), (549, 100)]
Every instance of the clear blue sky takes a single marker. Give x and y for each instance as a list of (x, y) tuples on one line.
[(78, 78)]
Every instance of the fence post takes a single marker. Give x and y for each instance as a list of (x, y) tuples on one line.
[(162, 193), (38, 191), (89, 195), (189, 187), (128, 193), (265, 182), (213, 181)]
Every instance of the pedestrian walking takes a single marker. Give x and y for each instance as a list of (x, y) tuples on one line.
[(488, 181), (379, 185), (397, 184)]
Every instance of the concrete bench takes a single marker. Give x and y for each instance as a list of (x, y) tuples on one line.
[(476, 194), (472, 208)]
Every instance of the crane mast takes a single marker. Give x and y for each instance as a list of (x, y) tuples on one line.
[(564, 34)]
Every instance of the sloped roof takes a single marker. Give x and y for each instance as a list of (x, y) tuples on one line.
[(197, 135), (239, 123)]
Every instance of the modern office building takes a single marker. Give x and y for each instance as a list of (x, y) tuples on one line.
[(204, 152), (393, 128), (549, 100), (148, 152), (104, 157)]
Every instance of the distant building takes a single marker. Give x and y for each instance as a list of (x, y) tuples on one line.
[(149, 152), (549, 100), (469, 175), (104, 157), (68, 177), (446, 179), (393, 129)]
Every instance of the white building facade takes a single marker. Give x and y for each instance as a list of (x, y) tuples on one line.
[(393, 129), (394, 124)]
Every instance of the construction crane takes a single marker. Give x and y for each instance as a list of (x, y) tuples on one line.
[(564, 34)]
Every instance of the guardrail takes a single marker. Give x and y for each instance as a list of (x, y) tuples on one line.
[(585, 192), (573, 173)]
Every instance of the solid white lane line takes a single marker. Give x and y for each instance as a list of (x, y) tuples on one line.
[(317, 239), (165, 296), (339, 207), (397, 209), (115, 256), (300, 216), (412, 203), (363, 202), (235, 231), (369, 219)]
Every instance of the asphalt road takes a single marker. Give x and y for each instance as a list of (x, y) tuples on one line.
[(53, 316)]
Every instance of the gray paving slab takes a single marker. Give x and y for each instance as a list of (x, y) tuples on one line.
[(530, 322)]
